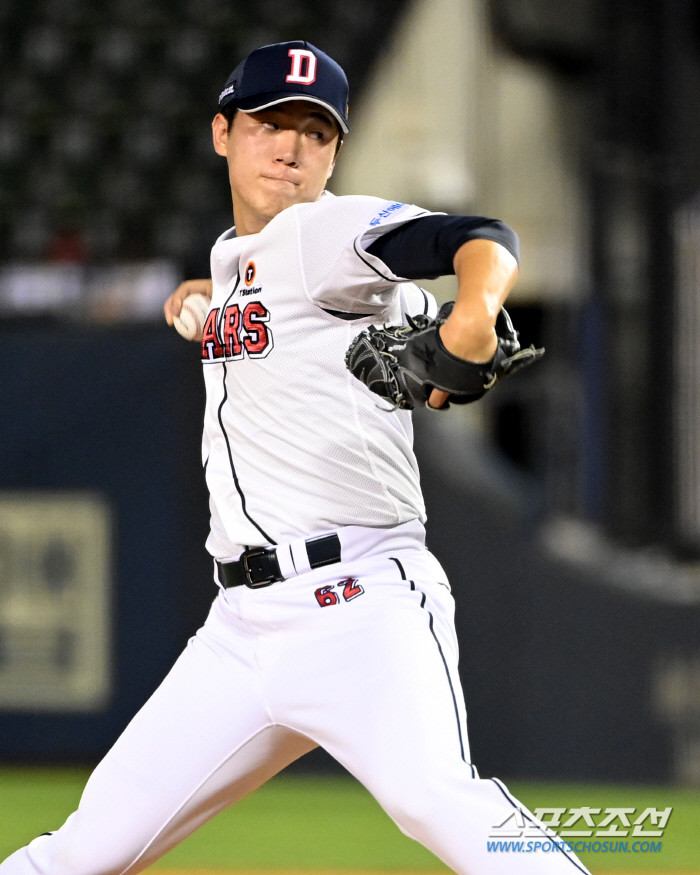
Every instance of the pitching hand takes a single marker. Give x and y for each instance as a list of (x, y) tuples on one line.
[(173, 305)]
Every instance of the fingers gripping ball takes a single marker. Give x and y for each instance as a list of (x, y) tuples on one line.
[(190, 322), (404, 364)]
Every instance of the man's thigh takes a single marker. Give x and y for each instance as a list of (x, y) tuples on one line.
[(374, 678)]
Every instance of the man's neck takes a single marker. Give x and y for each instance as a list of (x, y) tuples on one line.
[(246, 224)]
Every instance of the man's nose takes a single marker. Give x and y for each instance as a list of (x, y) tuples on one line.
[(288, 145)]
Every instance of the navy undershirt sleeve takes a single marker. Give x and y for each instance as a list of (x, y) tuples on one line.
[(425, 248)]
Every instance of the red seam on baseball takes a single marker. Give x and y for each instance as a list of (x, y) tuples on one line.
[(189, 309)]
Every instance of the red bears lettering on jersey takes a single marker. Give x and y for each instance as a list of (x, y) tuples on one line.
[(258, 342), (211, 346), (231, 331)]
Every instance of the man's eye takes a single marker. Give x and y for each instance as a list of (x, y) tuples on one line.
[(272, 125)]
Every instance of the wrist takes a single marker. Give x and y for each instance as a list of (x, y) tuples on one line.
[(473, 340)]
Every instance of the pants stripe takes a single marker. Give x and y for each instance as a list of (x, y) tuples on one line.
[(444, 662), (514, 803)]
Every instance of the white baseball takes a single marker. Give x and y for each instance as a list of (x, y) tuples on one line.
[(190, 322)]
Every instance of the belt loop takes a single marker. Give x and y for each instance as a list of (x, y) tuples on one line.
[(286, 563), (299, 556), (218, 574)]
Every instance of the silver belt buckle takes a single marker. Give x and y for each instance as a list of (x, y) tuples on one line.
[(255, 584)]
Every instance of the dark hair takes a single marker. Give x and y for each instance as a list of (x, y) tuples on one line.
[(230, 111)]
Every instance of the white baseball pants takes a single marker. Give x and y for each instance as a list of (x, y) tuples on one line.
[(359, 657)]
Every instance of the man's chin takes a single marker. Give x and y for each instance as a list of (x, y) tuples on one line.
[(276, 205)]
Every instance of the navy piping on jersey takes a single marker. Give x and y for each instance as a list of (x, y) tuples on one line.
[(233, 467), (391, 279), (444, 661), (348, 317), (228, 443), (222, 314), (524, 813)]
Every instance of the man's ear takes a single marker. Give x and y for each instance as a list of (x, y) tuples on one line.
[(219, 132)]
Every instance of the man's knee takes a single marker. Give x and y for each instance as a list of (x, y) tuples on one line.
[(412, 810), (417, 804)]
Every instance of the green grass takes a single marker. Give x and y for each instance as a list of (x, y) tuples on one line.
[(33, 801), (303, 823), (309, 823)]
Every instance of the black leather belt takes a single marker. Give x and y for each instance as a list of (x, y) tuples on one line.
[(260, 566)]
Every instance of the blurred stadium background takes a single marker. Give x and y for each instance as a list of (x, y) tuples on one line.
[(566, 508)]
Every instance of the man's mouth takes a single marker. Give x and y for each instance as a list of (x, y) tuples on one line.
[(281, 179)]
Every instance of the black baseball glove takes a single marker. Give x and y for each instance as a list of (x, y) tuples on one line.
[(406, 363)]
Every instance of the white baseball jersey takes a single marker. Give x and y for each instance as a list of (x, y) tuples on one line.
[(294, 445)]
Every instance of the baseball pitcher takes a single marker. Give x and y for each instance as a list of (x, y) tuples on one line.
[(333, 625)]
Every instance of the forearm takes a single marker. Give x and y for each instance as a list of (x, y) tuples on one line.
[(486, 272)]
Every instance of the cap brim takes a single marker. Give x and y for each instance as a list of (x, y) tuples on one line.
[(286, 99)]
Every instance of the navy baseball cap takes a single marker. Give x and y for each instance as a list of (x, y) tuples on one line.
[(288, 71)]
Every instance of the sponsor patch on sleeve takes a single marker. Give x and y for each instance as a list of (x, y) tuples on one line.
[(386, 213)]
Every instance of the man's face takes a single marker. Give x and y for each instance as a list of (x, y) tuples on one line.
[(277, 157)]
